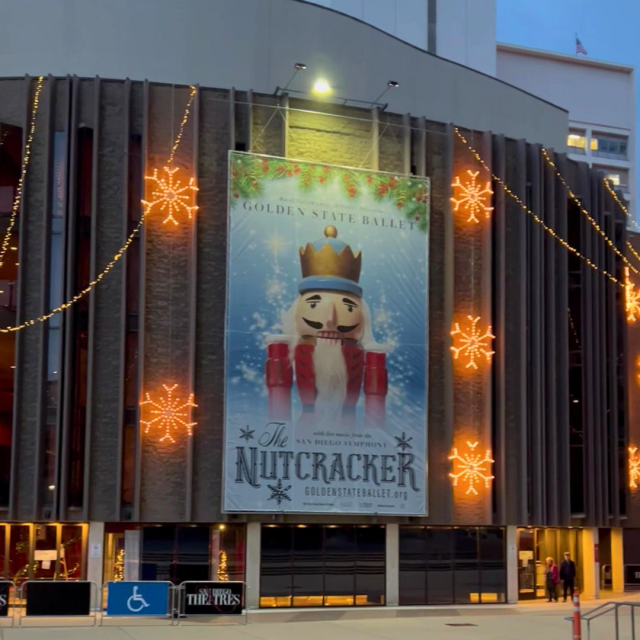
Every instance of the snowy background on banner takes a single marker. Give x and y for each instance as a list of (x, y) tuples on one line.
[(264, 273)]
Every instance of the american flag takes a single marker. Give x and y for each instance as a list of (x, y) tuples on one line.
[(579, 47)]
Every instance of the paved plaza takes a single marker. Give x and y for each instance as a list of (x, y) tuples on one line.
[(524, 622)]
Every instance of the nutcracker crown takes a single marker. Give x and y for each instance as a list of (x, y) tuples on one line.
[(329, 264)]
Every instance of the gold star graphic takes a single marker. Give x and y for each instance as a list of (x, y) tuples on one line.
[(472, 196), (170, 414), (472, 344), (170, 196), (473, 468)]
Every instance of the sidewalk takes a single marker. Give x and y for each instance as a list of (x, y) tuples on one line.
[(530, 621)]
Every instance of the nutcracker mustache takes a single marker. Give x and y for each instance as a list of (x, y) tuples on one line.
[(341, 328)]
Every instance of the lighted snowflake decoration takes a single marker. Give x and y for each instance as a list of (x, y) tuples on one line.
[(279, 493), (472, 196), (472, 468), (403, 442), (246, 434), (632, 298), (170, 196), (472, 343), (634, 468), (170, 414)]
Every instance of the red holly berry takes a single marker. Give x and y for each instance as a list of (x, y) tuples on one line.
[(289, 173), (392, 183), (235, 195), (265, 168), (234, 174), (400, 205), (417, 218), (382, 189), (351, 191), (369, 179), (321, 179), (280, 169), (296, 170), (326, 169)]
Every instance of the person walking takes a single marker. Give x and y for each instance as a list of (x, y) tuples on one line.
[(551, 581), (568, 575)]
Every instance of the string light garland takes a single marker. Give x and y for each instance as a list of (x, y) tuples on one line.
[(614, 195), (473, 343), (585, 213), (169, 195), (116, 257), (472, 196), (632, 299), (472, 468), (537, 218), (634, 468), (183, 124), (23, 172), (170, 414), (633, 251)]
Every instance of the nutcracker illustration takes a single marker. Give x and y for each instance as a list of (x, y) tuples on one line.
[(327, 347)]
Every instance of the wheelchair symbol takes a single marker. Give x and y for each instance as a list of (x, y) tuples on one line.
[(136, 602)]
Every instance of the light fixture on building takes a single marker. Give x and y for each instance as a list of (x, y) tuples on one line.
[(321, 87), (392, 84), (297, 67), (52, 487), (222, 527)]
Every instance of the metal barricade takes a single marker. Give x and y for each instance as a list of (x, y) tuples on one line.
[(6, 589), (62, 584), (136, 603), (182, 609)]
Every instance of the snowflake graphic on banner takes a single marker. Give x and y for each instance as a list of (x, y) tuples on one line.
[(279, 492), (403, 442), (246, 434)]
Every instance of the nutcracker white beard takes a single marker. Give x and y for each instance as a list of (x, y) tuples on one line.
[(331, 380)]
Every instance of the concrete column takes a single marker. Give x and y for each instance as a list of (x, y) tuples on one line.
[(95, 552), (591, 562), (512, 564), (617, 560), (252, 575), (393, 564)]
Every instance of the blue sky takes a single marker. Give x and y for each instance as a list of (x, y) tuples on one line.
[(608, 30)]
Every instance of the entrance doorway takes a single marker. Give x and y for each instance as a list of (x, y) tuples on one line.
[(534, 547)]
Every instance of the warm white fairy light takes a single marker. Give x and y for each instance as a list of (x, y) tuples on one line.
[(170, 195), (472, 343), (472, 196), (169, 414)]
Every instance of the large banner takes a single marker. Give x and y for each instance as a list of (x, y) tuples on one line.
[(326, 339)]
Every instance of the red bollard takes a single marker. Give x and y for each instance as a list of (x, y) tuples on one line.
[(577, 626)]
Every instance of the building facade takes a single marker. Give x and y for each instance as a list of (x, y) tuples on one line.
[(124, 286), (601, 131)]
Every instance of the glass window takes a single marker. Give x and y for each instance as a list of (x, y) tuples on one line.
[(466, 566), (307, 567), (192, 554), (493, 570), (609, 146), (339, 566), (157, 552), (577, 142), (3, 542), (46, 554), (276, 568), (228, 552), (439, 566), (19, 553), (370, 565), (413, 565)]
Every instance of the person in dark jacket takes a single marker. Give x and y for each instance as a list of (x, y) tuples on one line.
[(568, 575), (551, 580)]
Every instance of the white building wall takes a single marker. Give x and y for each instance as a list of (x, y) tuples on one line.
[(599, 96), (466, 33), (253, 44), (404, 19)]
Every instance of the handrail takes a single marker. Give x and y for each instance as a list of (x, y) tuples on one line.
[(609, 607)]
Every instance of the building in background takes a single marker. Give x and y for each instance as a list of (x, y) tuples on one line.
[(525, 422), (600, 99)]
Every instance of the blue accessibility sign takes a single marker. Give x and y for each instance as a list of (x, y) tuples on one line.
[(137, 598)]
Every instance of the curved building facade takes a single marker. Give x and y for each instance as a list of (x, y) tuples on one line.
[(178, 420)]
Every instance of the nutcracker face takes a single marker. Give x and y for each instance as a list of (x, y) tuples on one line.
[(330, 315)]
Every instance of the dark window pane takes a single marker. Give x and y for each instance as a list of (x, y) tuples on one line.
[(370, 565), (413, 565), (276, 572), (19, 552), (466, 566), (3, 534), (192, 554), (307, 566), (157, 552), (339, 565), (493, 573), (232, 551), (440, 566)]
